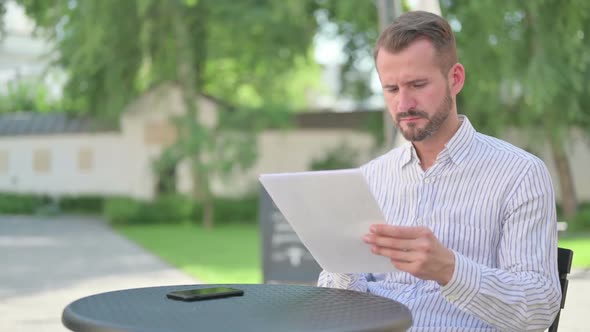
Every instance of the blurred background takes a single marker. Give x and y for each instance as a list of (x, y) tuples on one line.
[(152, 119)]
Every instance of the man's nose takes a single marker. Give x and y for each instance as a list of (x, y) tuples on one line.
[(405, 101)]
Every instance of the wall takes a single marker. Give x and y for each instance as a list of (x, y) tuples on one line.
[(108, 172), (122, 162), (291, 151)]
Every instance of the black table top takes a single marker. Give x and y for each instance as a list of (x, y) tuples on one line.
[(262, 308)]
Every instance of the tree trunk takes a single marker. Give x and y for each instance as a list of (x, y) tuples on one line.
[(569, 202), (387, 10), (189, 75), (202, 192), (208, 213)]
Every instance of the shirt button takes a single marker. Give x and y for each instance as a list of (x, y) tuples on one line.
[(427, 180), (452, 297), (419, 220), (407, 296)]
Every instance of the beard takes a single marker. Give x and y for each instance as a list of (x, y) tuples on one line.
[(413, 132)]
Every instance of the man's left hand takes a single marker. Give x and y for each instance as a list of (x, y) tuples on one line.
[(415, 250)]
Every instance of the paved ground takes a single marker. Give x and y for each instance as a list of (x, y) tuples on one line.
[(575, 315), (46, 263)]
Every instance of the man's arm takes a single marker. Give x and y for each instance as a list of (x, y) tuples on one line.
[(523, 293), (351, 281)]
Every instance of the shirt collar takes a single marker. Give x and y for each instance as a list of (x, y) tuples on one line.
[(457, 148), (408, 153), (459, 145)]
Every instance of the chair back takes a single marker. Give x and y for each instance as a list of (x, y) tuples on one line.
[(564, 266)]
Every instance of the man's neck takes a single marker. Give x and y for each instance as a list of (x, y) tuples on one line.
[(428, 149)]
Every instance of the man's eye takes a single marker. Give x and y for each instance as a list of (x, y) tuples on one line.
[(419, 85), (392, 90)]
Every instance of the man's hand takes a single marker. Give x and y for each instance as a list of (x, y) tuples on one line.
[(414, 250)]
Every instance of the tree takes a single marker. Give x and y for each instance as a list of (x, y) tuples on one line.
[(2, 12), (238, 52), (26, 95), (528, 66), (356, 22)]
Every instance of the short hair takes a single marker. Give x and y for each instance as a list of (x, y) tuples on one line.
[(416, 25)]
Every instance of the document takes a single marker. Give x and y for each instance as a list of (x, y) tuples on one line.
[(330, 211)]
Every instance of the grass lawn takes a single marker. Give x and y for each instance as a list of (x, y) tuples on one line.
[(232, 253), (581, 247), (226, 254)]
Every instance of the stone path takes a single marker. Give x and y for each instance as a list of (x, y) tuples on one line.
[(48, 262)]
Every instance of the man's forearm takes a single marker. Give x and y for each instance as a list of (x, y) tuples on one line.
[(510, 301)]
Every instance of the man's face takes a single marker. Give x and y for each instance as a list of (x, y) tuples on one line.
[(416, 92)]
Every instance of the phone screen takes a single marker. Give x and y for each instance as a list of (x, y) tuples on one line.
[(204, 293)]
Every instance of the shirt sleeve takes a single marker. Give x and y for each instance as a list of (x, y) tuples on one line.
[(351, 281), (523, 293)]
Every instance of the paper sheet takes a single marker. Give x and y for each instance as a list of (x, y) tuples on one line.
[(330, 211)]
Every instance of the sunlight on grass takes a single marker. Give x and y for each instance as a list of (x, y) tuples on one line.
[(581, 248), (226, 254), (231, 253)]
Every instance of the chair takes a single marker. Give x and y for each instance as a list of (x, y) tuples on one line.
[(564, 265)]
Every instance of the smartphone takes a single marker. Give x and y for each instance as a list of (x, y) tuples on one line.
[(204, 293)]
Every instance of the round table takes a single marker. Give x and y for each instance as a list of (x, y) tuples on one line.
[(261, 308)]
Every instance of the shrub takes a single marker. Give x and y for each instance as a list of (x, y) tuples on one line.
[(581, 221), (340, 157), (122, 210), (236, 210), (21, 203), (170, 208), (85, 204)]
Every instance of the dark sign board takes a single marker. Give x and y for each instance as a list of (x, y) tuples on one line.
[(284, 258)]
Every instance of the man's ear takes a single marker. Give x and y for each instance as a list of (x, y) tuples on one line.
[(456, 78)]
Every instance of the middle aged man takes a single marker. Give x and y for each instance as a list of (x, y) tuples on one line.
[(470, 219)]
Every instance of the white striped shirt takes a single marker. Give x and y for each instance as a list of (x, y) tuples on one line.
[(493, 205)]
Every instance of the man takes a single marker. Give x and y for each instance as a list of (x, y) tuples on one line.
[(470, 220)]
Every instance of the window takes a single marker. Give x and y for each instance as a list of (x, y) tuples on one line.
[(85, 159), (42, 161), (4, 162), (159, 133)]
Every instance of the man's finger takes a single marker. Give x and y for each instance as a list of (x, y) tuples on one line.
[(393, 254), (400, 232), (389, 242)]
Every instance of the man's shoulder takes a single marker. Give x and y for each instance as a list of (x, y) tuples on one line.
[(391, 158), (501, 148)]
